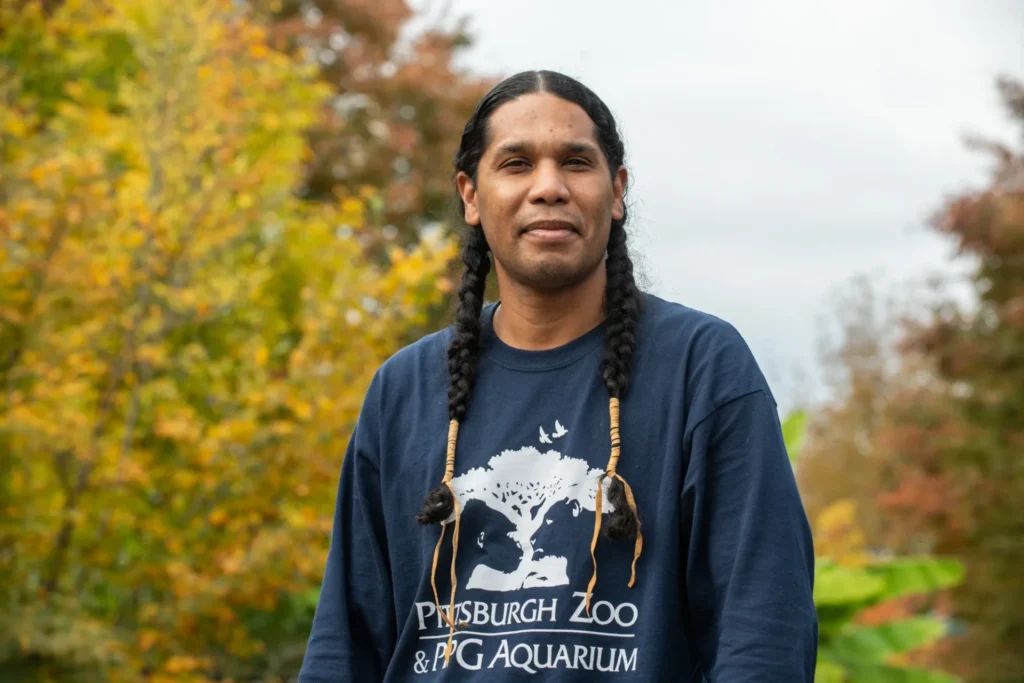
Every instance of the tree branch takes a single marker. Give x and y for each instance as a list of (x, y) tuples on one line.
[(39, 278), (105, 407)]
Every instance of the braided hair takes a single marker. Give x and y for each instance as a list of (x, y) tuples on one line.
[(622, 314)]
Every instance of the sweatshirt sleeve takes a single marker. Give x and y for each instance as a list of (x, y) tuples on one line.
[(750, 556), (354, 628)]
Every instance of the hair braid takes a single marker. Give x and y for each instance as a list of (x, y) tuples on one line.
[(463, 351), (465, 347), (622, 304)]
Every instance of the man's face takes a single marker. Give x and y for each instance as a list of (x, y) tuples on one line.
[(544, 194)]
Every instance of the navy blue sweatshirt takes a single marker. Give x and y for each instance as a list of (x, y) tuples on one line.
[(723, 587)]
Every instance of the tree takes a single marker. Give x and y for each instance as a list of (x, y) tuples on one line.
[(183, 343), (396, 119), (929, 445), (524, 486), (864, 370), (958, 444)]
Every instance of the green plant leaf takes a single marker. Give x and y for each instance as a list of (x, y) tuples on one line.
[(794, 429), (912, 575), (876, 643), (837, 585), (828, 672), (883, 673)]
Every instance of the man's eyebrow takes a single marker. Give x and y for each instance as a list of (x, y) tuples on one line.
[(516, 147), (579, 148), (519, 146)]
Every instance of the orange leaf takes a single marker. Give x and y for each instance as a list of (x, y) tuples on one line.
[(218, 517)]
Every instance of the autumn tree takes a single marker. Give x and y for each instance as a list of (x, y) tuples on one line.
[(960, 444), (400, 102), (840, 459), (395, 118), (925, 434), (184, 344)]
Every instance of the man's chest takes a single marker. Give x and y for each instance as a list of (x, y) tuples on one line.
[(528, 463), (527, 468)]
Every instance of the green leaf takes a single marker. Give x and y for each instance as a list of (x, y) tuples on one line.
[(913, 575), (794, 429), (833, 619), (828, 672), (837, 585), (883, 673), (876, 643)]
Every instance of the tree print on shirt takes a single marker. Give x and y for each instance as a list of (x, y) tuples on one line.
[(524, 486)]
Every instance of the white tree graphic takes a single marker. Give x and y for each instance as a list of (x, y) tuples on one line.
[(524, 486)]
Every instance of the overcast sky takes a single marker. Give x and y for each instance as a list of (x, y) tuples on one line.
[(777, 147)]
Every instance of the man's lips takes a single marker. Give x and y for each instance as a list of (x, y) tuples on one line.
[(550, 227)]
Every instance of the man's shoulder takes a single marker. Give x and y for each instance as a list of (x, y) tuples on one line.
[(717, 362), (669, 322)]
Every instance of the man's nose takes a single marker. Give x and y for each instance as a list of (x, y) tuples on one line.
[(549, 185)]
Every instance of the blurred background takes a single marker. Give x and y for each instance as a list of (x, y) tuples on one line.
[(218, 217)]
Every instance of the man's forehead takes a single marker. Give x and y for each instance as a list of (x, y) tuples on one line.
[(538, 115)]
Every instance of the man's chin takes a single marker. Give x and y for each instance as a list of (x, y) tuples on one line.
[(552, 275)]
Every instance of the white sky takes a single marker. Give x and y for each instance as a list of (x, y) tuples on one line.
[(777, 147)]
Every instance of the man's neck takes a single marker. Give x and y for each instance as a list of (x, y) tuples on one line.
[(534, 321)]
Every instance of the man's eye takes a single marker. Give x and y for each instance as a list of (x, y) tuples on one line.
[(577, 161), (515, 163)]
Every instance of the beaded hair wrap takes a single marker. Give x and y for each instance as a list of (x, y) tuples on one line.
[(610, 473), (449, 471)]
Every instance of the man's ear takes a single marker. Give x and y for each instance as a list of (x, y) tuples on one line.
[(619, 191), (468, 193)]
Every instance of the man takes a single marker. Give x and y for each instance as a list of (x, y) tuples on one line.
[(575, 404)]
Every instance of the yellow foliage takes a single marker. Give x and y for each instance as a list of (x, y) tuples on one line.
[(190, 342), (837, 535)]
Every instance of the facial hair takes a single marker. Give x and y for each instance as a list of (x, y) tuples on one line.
[(551, 275)]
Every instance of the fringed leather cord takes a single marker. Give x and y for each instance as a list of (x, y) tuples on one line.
[(449, 471), (613, 462)]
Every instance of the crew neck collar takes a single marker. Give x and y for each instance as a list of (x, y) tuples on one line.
[(530, 360)]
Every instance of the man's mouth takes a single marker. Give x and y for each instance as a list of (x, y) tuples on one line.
[(551, 229)]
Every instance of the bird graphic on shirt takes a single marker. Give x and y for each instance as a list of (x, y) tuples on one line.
[(560, 431), (544, 438)]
